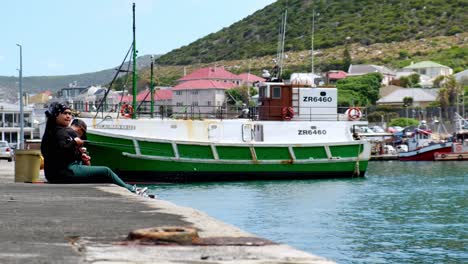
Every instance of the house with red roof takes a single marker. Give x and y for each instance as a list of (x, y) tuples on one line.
[(331, 77), (214, 74), (250, 79), (162, 100), (199, 95)]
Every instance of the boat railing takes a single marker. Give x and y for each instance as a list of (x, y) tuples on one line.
[(286, 113)]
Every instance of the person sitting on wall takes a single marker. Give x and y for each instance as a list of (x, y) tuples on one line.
[(64, 161)]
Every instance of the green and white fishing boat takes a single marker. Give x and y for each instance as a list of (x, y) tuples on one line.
[(296, 133)]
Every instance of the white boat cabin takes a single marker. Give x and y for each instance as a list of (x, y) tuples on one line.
[(297, 101)]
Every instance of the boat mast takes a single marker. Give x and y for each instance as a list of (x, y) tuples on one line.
[(282, 43), (134, 73), (312, 47), (152, 86), (312, 44)]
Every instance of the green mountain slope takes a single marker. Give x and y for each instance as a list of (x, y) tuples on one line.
[(338, 21)]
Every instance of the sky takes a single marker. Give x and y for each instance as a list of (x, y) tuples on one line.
[(62, 37)]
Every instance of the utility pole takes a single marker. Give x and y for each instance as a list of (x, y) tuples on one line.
[(21, 139)]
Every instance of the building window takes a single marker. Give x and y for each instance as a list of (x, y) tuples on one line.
[(195, 92), (178, 92), (208, 103), (195, 103), (276, 92), (179, 104)]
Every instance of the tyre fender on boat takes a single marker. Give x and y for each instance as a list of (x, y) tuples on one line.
[(458, 148)]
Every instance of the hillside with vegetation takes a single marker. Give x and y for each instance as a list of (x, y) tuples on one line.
[(337, 22), (447, 50)]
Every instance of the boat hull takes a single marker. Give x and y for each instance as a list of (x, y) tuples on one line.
[(143, 160), (425, 153)]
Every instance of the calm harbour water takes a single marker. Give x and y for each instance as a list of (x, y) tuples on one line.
[(401, 212)]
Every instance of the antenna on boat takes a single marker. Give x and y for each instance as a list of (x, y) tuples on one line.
[(312, 42), (279, 61), (134, 67), (312, 47)]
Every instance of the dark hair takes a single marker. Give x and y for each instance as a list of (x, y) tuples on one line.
[(81, 124)]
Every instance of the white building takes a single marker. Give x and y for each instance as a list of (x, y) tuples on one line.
[(200, 96), (429, 68), (10, 122)]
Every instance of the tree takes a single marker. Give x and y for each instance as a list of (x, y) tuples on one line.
[(414, 80), (238, 95), (402, 121), (410, 81), (366, 87), (408, 101), (438, 81), (448, 93), (346, 58)]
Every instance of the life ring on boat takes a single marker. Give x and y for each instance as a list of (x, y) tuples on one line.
[(458, 148), (287, 113), (354, 113), (460, 157), (443, 156), (126, 110)]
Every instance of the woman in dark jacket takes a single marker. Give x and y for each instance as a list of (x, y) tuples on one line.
[(64, 162)]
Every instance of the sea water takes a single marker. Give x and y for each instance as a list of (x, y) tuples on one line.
[(401, 212)]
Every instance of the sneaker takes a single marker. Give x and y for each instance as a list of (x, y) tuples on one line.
[(142, 191)]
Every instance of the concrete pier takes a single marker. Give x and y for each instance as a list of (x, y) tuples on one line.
[(88, 223)]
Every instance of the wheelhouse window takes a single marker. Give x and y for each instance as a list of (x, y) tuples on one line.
[(276, 92), (264, 92)]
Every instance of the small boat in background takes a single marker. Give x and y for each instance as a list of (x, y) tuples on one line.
[(422, 147), (459, 149)]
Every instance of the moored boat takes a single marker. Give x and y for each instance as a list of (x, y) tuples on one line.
[(459, 149), (296, 133), (421, 146)]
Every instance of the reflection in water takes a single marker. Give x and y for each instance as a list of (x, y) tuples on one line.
[(402, 212)]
